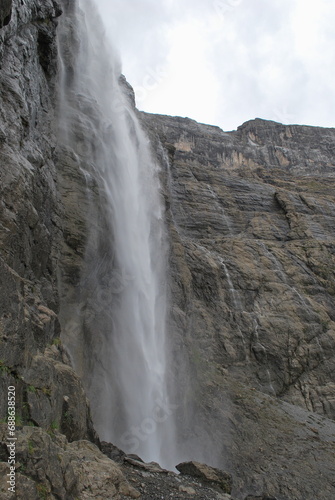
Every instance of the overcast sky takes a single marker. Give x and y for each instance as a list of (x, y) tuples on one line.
[(223, 62)]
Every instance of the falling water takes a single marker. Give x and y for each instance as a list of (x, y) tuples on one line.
[(115, 319)]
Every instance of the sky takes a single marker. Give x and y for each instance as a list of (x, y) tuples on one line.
[(223, 62)]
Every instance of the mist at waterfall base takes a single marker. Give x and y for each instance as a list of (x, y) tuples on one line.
[(114, 322)]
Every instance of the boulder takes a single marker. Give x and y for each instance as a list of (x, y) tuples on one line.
[(207, 474)]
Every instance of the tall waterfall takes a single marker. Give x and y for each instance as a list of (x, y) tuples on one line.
[(115, 320)]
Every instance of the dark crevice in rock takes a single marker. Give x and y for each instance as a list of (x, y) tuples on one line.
[(5, 12)]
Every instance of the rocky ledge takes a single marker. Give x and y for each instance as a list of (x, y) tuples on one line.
[(50, 467)]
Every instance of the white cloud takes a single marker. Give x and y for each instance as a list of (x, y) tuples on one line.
[(227, 61)]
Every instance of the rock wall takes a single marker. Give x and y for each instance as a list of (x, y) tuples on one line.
[(251, 223), (31, 228)]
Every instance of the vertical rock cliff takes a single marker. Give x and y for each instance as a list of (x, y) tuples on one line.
[(32, 227), (253, 211), (251, 221), (250, 218)]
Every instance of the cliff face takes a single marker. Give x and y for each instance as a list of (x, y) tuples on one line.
[(250, 215), (31, 229), (251, 224)]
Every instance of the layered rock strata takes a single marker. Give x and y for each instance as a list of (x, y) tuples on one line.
[(252, 226), (251, 223)]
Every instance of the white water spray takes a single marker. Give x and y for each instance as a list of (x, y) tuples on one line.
[(115, 327)]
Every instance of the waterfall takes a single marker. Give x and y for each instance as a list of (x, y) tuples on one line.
[(114, 321)]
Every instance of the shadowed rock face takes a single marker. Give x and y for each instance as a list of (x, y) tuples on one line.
[(251, 222), (5, 12), (48, 392)]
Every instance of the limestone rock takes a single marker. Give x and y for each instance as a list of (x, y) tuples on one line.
[(252, 256), (188, 490), (48, 465), (55, 396), (207, 474), (251, 224), (113, 452), (98, 476), (151, 466)]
